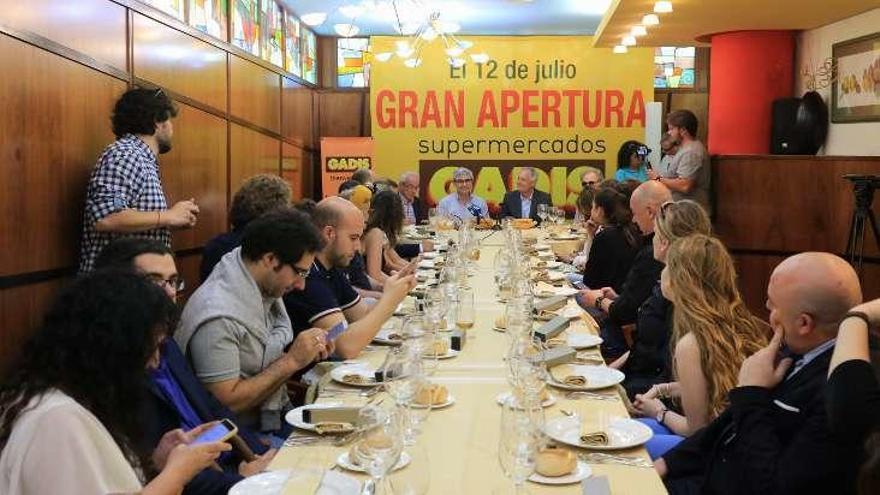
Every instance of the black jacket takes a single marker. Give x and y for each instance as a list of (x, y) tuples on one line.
[(642, 277), (649, 359), (766, 442), (420, 210), (611, 258), (512, 204), (159, 416)]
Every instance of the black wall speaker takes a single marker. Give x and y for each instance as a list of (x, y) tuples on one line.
[(782, 134), (800, 125)]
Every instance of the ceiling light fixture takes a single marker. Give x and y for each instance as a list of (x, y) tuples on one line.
[(314, 19), (663, 7), (620, 49), (346, 30), (650, 20), (638, 30), (628, 41)]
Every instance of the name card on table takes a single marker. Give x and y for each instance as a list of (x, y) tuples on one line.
[(552, 328), (556, 356), (550, 304)]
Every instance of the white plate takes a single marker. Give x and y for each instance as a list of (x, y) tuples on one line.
[(582, 340), (424, 264), (451, 353), (382, 337), (450, 400), (295, 416), (564, 237), (580, 473), (430, 255), (355, 369), (344, 462), (598, 377), (623, 433), (499, 329), (503, 396), (542, 247), (272, 483)]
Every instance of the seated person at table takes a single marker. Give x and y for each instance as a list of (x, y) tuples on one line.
[(615, 244), (852, 397), (524, 201), (234, 328), (363, 176), (712, 333), (623, 309), (462, 204), (414, 210), (259, 194), (590, 179), (647, 363), (578, 261), (174, 397), (384, 224), (71, 404), (328, 299), (775, 436), (631, 162)]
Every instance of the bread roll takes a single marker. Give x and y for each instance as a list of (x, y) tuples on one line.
[(433, 395), (501, 322), (554, 461)]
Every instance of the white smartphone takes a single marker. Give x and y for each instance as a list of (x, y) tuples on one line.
[(221, 432)]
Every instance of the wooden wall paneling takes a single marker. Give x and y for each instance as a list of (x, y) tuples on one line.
[(252, 153), (196, 168), (21, 313), (52, 136), (341, 113), (327, 61), (697, 102), (297, 114), (188, 266), (255, 94), (292, 168), (179, 62), (95, 28), (788, 204)]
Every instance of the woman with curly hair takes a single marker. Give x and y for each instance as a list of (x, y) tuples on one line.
[(69, 412), (384, 224), (712, 333)]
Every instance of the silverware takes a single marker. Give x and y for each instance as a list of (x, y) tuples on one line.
[(590, 395), (601, 458), (369, 487)]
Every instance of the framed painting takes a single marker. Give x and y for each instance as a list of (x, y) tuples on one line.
[(855, 93)]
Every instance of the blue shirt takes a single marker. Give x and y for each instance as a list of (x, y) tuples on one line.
[(624, 174), (165, 382), (450, 206), (526, 205), (806, 358)]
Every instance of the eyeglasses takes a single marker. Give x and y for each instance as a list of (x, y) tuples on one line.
[(588, 183), (302, 273), (463, 181), (175, 283)]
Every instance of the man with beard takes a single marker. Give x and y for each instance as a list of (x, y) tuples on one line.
[(125, 197), (328, 300)]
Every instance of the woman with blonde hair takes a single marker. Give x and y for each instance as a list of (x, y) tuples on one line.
[(712, 333)]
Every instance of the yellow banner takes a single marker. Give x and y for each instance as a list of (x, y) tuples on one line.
[(551, 102)]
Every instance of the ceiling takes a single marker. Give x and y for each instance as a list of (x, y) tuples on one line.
[(692, 21), (476, 17)]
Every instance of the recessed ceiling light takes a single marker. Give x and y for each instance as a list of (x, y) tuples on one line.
[(663, 7), (346, 30), (314, 19), (620, 49), (628, 41), (650, 20), (638, 30)]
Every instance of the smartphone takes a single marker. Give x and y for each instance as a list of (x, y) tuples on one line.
[(221, 432), (337, 330), (579, 285)]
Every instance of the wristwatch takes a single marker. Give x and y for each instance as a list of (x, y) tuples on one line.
[(661, 415)]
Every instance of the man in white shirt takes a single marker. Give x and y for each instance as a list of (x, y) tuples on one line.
[(524, 201)]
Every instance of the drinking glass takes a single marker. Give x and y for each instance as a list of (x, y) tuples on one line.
[(380, 446), (464, 318), (521, 439), (542, 213)]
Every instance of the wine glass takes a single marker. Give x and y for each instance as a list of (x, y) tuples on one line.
[(379, 447), (521, 439), (417, 414), (542, 212)]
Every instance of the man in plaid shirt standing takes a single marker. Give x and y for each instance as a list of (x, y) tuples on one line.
[(125, 196)]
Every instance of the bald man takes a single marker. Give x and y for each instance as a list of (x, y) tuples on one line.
[(328, 300), (774, 437), (623, 309)]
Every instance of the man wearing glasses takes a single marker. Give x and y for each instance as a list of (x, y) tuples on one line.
[(125, 195), (413, 209), (463, 204), (173, 396), (235, 329), (590, 178)]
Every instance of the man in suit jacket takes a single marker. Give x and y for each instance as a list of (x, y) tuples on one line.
[(414, 210), (175, 398), (524, 202), (774, 438)]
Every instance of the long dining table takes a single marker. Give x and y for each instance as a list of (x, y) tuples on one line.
[(460, 442)]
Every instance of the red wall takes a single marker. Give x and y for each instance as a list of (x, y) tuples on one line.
[(749, 70)]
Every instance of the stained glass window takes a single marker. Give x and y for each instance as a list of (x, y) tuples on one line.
[(171, 7), (674, 67), (209, 16), (273, 34), (245, 28), (352, 62), (293, 62), (310, 56)]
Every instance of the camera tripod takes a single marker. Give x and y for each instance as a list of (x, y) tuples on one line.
[(863, 191)]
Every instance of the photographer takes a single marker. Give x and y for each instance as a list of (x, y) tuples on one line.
[(631, 162)]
